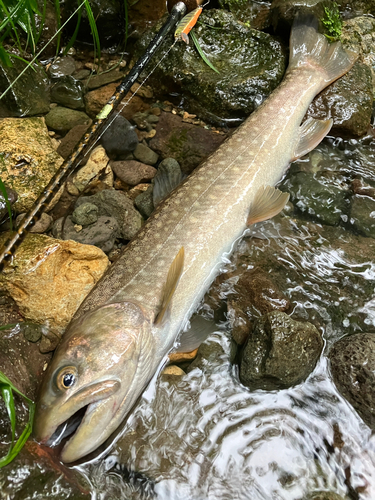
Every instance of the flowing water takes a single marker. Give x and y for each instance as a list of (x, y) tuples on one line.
[(205, 435)]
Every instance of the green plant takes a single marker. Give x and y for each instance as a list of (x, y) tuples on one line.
[(7, 389), (331, 21), (5, 194), (201, 53)]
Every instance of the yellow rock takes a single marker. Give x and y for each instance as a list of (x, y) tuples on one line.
[(179, 357), (49, 278), (27, 158), (97, 165), (173, 370)]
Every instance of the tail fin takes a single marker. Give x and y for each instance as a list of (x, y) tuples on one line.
[(310, 48)]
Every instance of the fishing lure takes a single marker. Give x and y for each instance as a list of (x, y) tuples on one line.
[(187, 24)]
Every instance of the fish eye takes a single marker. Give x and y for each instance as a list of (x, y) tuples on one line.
[(66, 377)]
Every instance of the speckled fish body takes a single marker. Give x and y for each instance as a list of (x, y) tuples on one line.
[(115, 345)]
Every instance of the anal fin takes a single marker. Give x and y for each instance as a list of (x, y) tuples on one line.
[(173, 277), (268, 202), (312, 132)]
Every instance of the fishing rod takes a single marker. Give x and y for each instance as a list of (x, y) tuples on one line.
[(92, 135)]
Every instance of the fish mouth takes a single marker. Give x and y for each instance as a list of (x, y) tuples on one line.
[(79, 421)]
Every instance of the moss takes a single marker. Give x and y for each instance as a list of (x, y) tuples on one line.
[(331, 21)]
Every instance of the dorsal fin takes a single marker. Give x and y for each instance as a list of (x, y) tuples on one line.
[(173, 277), (268, 202)]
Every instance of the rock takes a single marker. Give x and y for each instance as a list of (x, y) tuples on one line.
[(97, 81), (172, 371), (96, 167), (136, 190), (258, 15), (96, 99), (29, 160), (49, 342), (28, 95), (119, 138), (133, 172), (145, 154), (324, 495), (64, 119), (49, 278), (102, 233), (250, 63), (31, 331), (62, 66), (12, 198), (348, 101), (144, 202), (280, 352), (352, 361), (71, 139), (186, 143), (181, 357), (318, 196), (358, 36), (109, 20), (362, 215), (85, 214), (68, 92), (112, 203), (41, 226)]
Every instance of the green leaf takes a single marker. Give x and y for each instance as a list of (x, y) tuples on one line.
[(7, 394), (201, 53)]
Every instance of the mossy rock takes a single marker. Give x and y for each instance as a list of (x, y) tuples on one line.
[(251, 64)]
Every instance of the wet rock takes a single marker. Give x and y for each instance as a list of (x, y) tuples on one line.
[(102, 233), (97, 81), (186, 143), (348, 101), (49, 341), (41, 226), (258, 15), (145, 154), (358, 36), (49, 278), (172, 371), (317, 196), (96, 99), (85, 214), (64, 119), (182, 357), (250, 63), (28, 158), (136, 190), (12, 197), (28, 95), (109, 20), (31, 331), (133, 172), (71, 139), (362, 215), (120, 138), (97, 166), (324, 495), (62, 66), (144, 202), (68, 92), (353, 367), (280, 352), (116, 204), (255, 295)]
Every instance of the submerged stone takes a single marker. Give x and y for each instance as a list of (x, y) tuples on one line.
[(68, 92), (28, 159), (353, 371), (280, 352), (250, 65), (362, 215), (29, 93), (119, 138), (62, 66), (63, 119)]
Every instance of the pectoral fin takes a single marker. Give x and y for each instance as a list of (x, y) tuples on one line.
[(173, 277), (312, 132), (268, 202), (199, 329), (165, 181)]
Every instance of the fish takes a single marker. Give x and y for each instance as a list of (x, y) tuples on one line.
[(132, 318)]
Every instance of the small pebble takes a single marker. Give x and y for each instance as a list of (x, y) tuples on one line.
[(145, 155)]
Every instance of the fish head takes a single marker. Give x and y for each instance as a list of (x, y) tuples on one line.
[(92, 376)]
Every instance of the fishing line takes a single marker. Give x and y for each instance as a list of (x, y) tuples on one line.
[(40, 52)]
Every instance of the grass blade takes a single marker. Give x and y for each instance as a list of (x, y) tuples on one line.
[(94, 30), (7, 394), (201, 53)]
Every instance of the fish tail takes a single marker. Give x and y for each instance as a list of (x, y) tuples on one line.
[(308, 48)]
